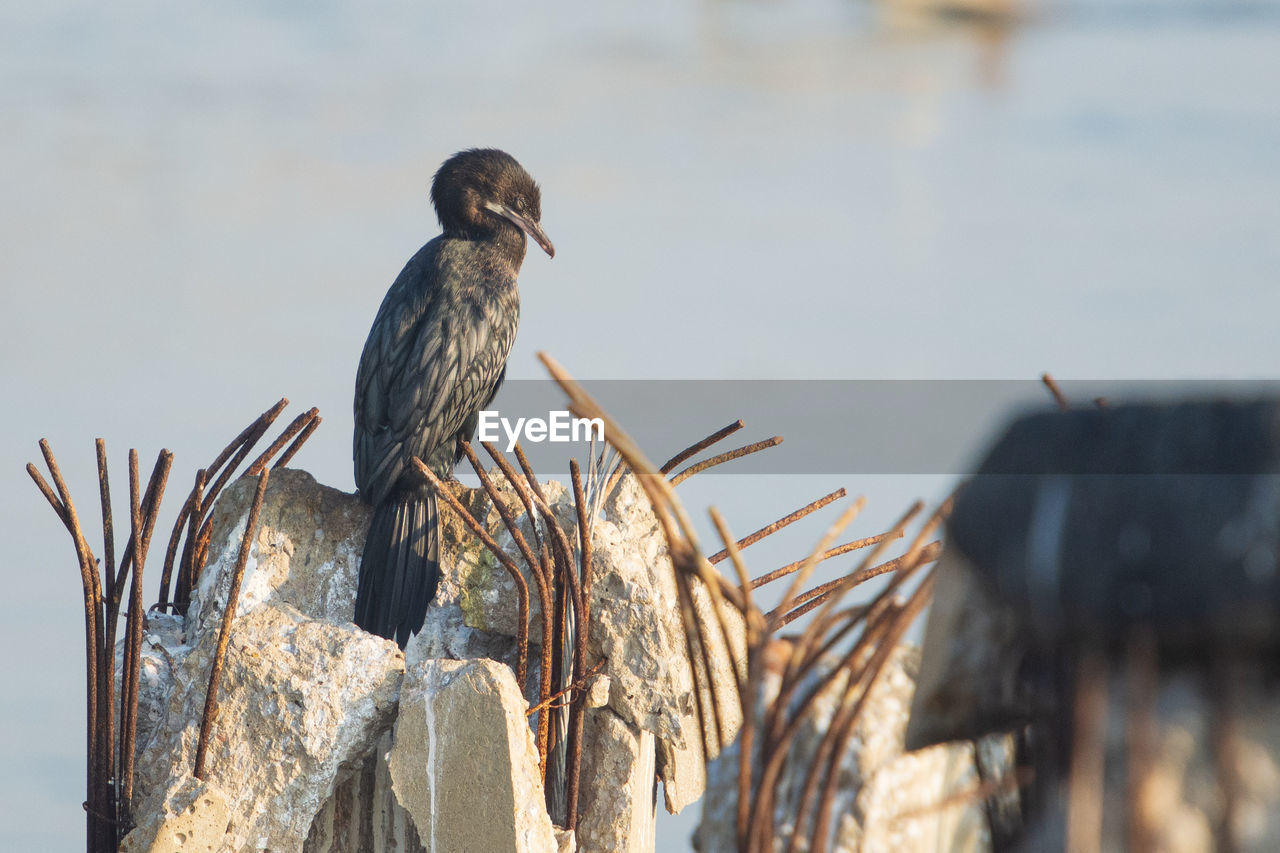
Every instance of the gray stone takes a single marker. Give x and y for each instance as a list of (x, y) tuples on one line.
[(306, 554), (616, 805), (299, 699), (193, 818), (304, 693), (363, 814), (598, 691), (461, 738)]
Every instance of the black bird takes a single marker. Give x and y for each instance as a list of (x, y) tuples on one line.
[(434, 358)]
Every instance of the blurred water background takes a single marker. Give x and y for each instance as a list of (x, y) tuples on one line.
[(204, 204)]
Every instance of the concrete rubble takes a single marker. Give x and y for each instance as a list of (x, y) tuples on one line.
[(311, 707), (489, 749), (304, 692)]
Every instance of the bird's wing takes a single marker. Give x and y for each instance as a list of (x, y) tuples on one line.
[(431, 360)]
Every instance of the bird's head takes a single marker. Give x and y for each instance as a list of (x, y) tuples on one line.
[(484, 191)]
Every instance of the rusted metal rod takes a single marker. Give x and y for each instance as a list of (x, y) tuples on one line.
[(105, 760), (583, 617), (770, 529), (58, 508), (546, 660), (287, 456), (224, 633), (746, 450), (129, 674), (521, 487), (522, 588), (577, 685), (65, 508), (259, 426), (899, 624), (193, 498), (816, 555), (699, 446), (495, 498), (747, 690), (855, 545), (1056, 391), (543, 577), (813, 598), (296, 426), (856, 675), (513, 527)]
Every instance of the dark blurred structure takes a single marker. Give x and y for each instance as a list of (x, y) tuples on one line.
[(1109, 593)]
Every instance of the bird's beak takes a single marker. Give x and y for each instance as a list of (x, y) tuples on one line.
[(526, 225)]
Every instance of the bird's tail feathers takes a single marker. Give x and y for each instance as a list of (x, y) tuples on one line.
[(400, 568)]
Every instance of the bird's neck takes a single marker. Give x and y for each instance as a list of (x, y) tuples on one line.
[(506, 242)]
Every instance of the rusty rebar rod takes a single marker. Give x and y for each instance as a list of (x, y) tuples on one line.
[(543, 577), (561, 550), (899, 624), (513, 527), (150, 504), (855, 545), (677, 528), (130, 671), (777, 730), (816, 555), (855, 677), (143, 514), (295, 426), (108, 528), (1056, 391), (106, 744), (578, 685), (224, 633), (819, 594), (578, 709), (738, 453), (63, 505), (186, 580), (166, 574), (770, 529), (259, 426), (287, 456), (224, 466), (545, 659), (749, 687), (522, 588), (495, 498), (810, 639), (774, 747), (518, 482), (54, 501), (699, 446)]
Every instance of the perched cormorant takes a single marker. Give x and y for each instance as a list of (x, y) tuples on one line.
[(435, 356)]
